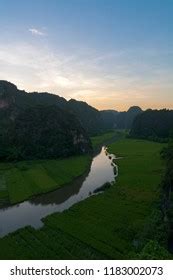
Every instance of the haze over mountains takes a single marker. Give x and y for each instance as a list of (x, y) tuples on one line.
[(93, 120), (44, 125)]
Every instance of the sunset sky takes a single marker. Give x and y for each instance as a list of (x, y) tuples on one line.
[(109, 53)]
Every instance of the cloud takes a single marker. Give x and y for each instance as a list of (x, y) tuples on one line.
[(105, 81), (36, 32)]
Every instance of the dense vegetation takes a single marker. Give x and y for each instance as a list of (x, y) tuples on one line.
[(29, 129), (167, 155), (131, 219), (92, 120), (120, 120), (43, 132), (167, 189), (89, 117), (153, 124), (42, 125), (121, 223), (22, 180), (109, 118)]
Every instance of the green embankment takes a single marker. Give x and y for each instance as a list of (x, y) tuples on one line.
[(105, 226), (22, 180)]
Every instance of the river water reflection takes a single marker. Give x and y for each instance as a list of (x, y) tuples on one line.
[(32, 211)]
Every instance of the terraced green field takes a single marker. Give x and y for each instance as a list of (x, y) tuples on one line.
[(106, 226), (22, 180)]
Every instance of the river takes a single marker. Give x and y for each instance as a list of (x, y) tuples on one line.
[(30, 213)]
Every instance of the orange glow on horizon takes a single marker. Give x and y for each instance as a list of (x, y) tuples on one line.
[(124, 107)]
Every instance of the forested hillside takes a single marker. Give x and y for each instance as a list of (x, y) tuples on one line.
[(89, 117), (44, 125), (38, 126), (153, 124), (121, 120)]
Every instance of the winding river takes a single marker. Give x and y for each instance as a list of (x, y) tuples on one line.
[(30, 213)]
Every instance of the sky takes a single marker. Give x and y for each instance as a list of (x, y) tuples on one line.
[(110, 53)]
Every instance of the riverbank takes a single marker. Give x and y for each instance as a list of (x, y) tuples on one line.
[(26, 179), (20, 181), (110, 225), (31, 212)]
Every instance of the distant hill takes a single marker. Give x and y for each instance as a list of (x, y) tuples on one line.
[(38, 125), (47, 125), (120, 120), (153, 124), (92, 120), (21, 98), (109, 118), (89, 117)]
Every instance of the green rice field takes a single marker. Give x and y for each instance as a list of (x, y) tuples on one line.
[(23, 180), (117, 224)]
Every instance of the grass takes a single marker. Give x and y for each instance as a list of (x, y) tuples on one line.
[(3, 189), (106, 137), (50, 243), (23, 180), (104, 226)]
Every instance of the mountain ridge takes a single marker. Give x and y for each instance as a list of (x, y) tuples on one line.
[(93, 120), (33, 126)]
